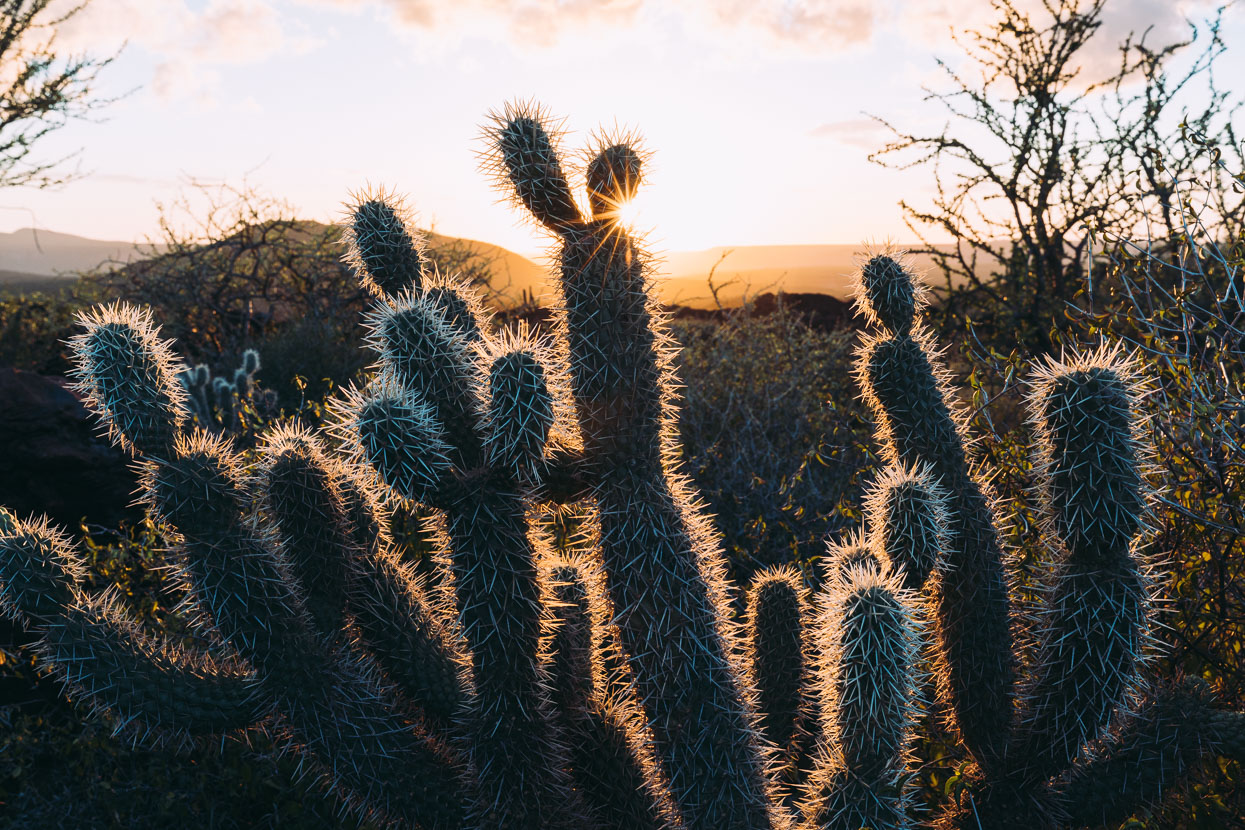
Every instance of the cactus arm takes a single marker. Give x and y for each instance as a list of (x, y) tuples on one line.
[(608, 758), (395, 616), (664, 574), (1092, 631), (907, 519), (338, 553), (901, 381), (333, 702), (619, 789), (867, 682), (304, 509), (383, 248), (114, 665), (106, 660), (1172, 730), (779, 631)]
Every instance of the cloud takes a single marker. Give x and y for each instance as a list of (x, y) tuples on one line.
[(783, 24), (1167, 22), (188, 43), (816, 24), (865, 133)]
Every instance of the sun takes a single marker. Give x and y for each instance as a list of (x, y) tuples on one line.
[(627, 213)]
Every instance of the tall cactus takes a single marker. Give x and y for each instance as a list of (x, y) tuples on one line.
[(664, 569), (613, 690), (906, 387)]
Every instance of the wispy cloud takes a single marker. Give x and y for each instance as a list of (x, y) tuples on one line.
[(1162, 21), (865, 133), (192, 41), (188, 42), (783, 24)]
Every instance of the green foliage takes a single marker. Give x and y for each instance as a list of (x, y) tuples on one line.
[(34, 328)]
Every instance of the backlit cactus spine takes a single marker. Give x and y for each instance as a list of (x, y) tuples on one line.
[(664, 568)]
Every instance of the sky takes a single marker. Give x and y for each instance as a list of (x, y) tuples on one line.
[(755, 111)]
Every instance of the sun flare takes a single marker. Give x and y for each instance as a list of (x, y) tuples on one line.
[(627, 213)]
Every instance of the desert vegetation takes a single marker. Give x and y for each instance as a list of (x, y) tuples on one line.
[(410, 551), (573, 652)]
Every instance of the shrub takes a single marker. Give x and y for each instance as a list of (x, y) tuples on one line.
[(772, 434)]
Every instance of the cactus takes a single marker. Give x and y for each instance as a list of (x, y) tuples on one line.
[(613, 688), (778, 642), (664, 569), (230, 397), (868, 635)]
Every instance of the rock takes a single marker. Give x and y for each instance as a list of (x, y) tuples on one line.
[(55, 459)]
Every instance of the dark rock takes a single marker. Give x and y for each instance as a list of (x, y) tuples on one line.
[(54, 458)]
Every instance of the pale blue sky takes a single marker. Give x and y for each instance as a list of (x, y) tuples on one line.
[(752, 109)]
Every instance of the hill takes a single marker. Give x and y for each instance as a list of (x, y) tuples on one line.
[(41, 260), (22, 282), (49, 253), (754, 269), (513, 273)]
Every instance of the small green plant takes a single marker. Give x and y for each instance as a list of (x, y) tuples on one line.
[(613, 688)]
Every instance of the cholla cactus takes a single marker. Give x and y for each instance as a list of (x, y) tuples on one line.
[(223, 402), (867, 682), (612, 689)]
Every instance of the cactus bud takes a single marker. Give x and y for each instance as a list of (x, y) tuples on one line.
[(888, 294), (853, 553), (520, 412), (613, 179), (1085, 419), (393, 431), (908, 522), (38, 569), (250, 361)]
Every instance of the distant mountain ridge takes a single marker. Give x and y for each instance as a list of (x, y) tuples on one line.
[(49, 253), (749, 270)]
